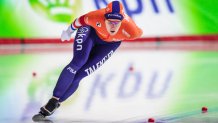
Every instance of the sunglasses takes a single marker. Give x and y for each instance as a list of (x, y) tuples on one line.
[(114, 22)]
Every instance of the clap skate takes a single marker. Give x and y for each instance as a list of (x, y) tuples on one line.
[(46, 110)]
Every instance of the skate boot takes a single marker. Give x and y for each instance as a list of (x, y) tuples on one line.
[(46, 110)]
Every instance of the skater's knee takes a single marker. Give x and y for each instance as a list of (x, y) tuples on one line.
[(78, 62)]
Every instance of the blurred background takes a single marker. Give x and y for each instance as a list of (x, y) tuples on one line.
[(172, 68)]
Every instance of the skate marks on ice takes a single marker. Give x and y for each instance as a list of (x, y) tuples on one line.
[(38, 119), (51, 120), (74, 121), (191, 118), (187, 117), (199, 118), (195, 116)]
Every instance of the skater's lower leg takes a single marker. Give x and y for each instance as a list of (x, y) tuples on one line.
[(64, 82)]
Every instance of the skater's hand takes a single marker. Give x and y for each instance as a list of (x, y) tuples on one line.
[(65, 36)]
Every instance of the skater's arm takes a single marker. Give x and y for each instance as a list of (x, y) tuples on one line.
[(87, 19), (133, 30), (78, 22)]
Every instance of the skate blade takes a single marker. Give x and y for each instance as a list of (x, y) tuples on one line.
[(41, 119)]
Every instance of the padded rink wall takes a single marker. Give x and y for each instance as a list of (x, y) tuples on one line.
[(171, 69)]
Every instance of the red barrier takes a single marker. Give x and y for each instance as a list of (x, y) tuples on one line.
[(190, 43), (213, 37)]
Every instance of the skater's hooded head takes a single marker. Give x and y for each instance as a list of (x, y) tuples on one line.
[(114, 10), (114, 15)]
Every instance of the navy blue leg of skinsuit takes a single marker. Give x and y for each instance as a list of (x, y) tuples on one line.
[(89, 50)]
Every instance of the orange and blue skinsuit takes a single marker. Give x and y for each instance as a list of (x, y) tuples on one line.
[(93, 45)]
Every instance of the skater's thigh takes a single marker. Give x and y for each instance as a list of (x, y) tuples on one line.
[(98, 56), (83, 44)]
